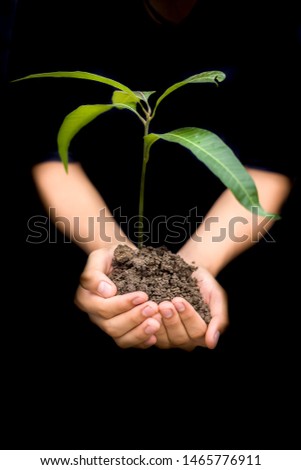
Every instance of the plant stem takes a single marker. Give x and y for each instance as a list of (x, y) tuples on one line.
[(142, 187)]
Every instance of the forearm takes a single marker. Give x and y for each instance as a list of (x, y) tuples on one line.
[(76, 207), (229, 229)]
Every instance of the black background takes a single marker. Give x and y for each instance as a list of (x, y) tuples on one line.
[(65, 384)]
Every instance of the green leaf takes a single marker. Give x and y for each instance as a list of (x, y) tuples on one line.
[(125, 98), (149, 140), (82, 75), (76, 120), (144, 95), (214, 76), (219, 158)]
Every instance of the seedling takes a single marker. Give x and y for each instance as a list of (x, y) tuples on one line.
[(205, 145)]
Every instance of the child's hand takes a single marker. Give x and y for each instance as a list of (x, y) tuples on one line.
[(182, 326), (130, 319)]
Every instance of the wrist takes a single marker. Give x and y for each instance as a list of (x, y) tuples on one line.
[(200, 258)]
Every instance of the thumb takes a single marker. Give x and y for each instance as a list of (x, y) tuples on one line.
[(216, 327), (213, 333), (106, 288), (220, 319), (94, 279)]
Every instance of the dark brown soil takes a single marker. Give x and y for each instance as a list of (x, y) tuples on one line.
[(158, 272)]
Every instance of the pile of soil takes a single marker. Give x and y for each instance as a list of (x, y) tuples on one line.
[(160, 273)]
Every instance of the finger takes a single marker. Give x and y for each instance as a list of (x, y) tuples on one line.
[(219, 321), (140, 334), (100, 322), (163, 341), (192, 321), (148, 343), (174, 327), (152, 340), (93, 278), (121, 324), (108, 308)]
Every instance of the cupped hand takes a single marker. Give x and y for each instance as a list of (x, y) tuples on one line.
[(130, 319), (182, 327)]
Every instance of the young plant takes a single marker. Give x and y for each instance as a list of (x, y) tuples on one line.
[(205, 145)]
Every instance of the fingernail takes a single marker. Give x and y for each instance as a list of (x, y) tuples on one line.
[(105, 289), (158, 318), (216, 337), (167, 313), (150, 329), (138, 300), (148, 311), (180, 307)]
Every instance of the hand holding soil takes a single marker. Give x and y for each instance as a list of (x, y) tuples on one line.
[(158, 272), (134, 321)]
